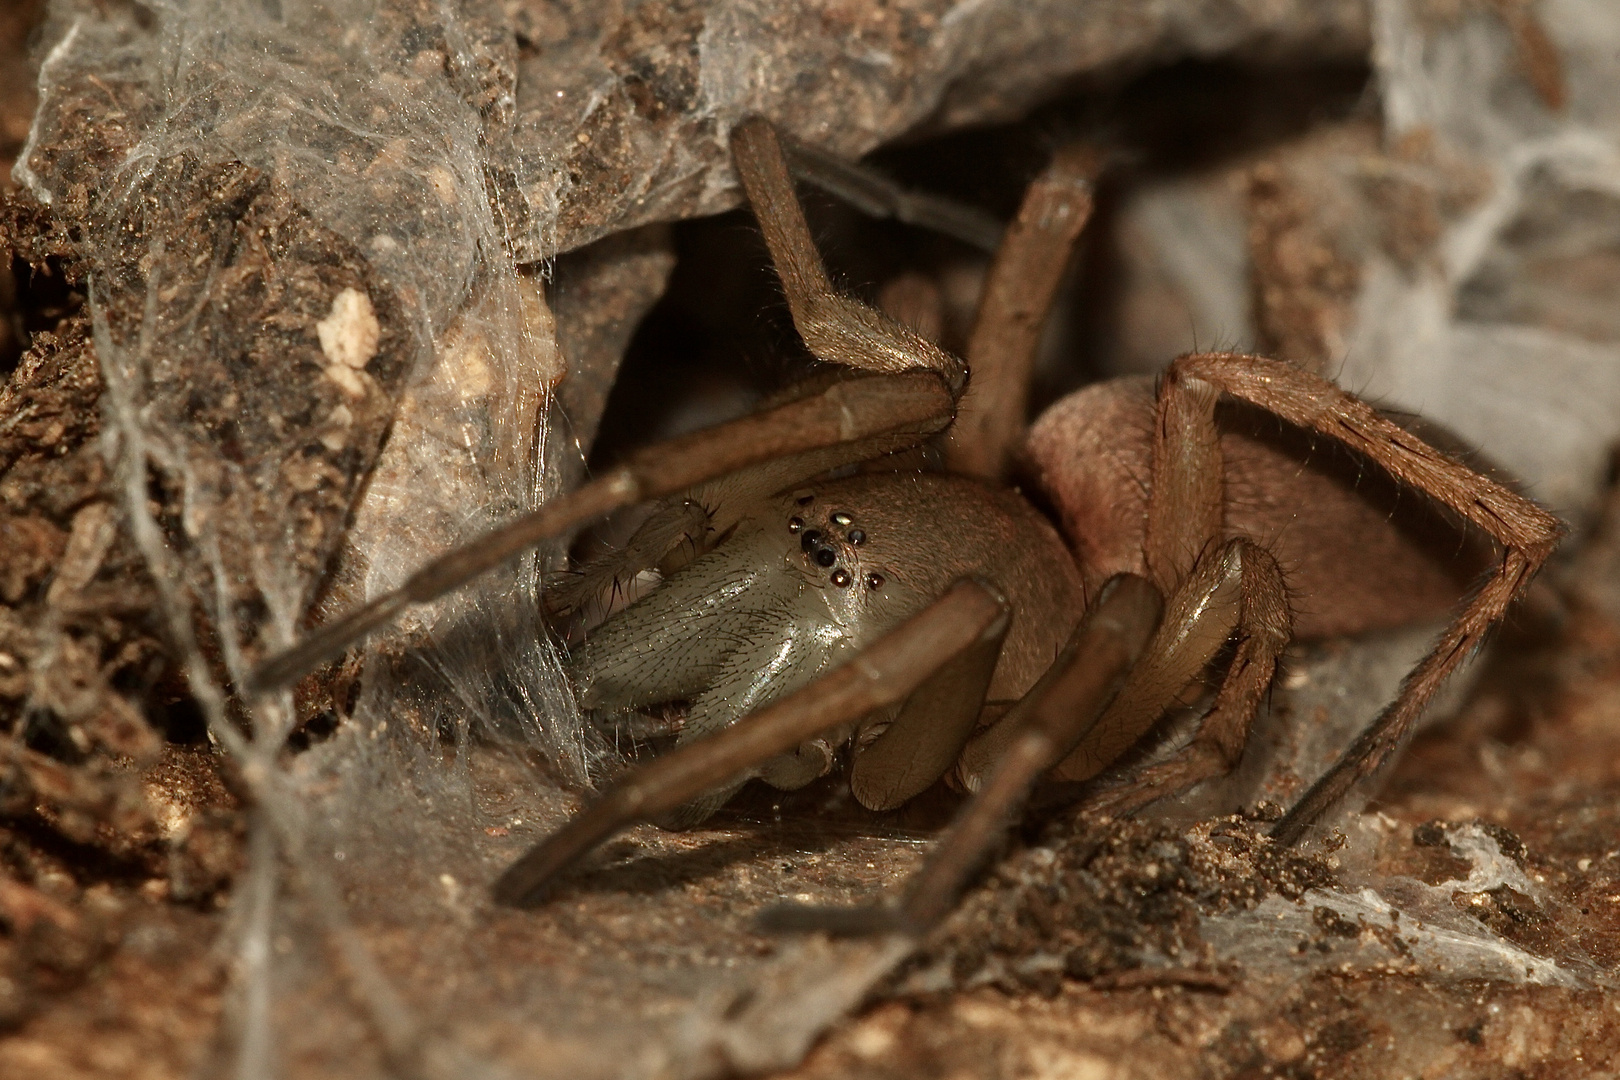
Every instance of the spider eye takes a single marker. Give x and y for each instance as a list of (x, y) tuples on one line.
[(826, 556), (856, 536), (874, 581), (809, 540), (841, 518), (841, 578), (795, 524)]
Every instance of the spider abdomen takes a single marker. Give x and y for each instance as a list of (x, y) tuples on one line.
[(1359, 553)]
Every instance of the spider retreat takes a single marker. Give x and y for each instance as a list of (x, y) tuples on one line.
[(939, 625)]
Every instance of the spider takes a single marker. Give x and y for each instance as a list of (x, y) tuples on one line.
[(940, 625)]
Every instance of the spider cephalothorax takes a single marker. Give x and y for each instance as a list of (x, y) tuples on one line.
[(810, 577)]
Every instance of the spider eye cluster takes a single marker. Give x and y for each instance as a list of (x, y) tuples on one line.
[(813, 542)]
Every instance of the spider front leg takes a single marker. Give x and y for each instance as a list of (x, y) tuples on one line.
[(836, 328), (1236, 591)]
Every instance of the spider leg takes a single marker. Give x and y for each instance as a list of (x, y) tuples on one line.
[(1527, 533), (679, 523), (1199, 618), (1045, 726), (921, 743), (880, 676), (1200, 578), (1263, 628), (1038, 732), (836, 328), (1214, 592), (1018, 295), (876, 414), (875, 195)]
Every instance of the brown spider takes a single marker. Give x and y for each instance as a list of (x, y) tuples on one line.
[(941, 625)]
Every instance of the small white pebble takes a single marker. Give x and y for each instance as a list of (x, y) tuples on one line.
[(349, 337)]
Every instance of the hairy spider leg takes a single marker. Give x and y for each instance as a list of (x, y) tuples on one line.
[(1013, 309), (1526, 532), (835, 328), (1261, 623)]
